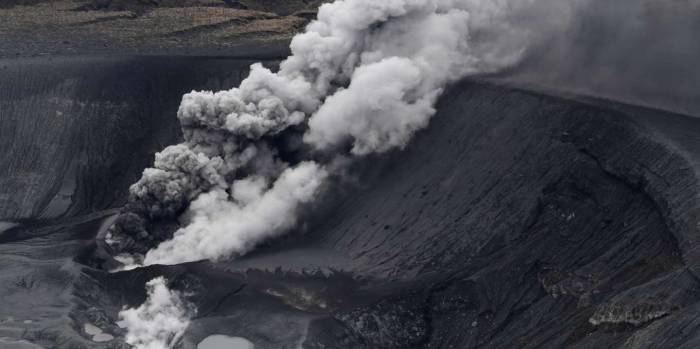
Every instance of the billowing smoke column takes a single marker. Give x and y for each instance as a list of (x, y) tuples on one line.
[(362, 79), (160, 321)]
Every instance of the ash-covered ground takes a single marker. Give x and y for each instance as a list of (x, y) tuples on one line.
[(525, 215)]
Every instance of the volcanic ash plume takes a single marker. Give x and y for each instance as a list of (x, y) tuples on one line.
[(362, 79), (220, 225), (159, 322)]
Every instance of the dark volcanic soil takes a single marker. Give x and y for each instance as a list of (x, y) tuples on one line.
[(516, 220)]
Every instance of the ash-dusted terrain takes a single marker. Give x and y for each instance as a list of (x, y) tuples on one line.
[(515, 220), (528, 212)]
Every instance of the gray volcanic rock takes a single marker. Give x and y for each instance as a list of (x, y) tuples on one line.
[(515, 220)]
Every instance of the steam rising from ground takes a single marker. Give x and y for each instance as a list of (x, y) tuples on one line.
[(159, 322), (219, 226), (362, 79)]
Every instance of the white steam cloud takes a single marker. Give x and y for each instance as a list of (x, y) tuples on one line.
[(363, 77), (159, 322), (219, 226)]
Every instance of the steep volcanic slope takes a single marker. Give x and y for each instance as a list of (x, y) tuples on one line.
[(539, 222), (77, 132), (514, 220)]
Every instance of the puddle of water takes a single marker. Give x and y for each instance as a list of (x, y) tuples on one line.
[(102, 337), (219, 341), (96, 333), (92, 329)]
